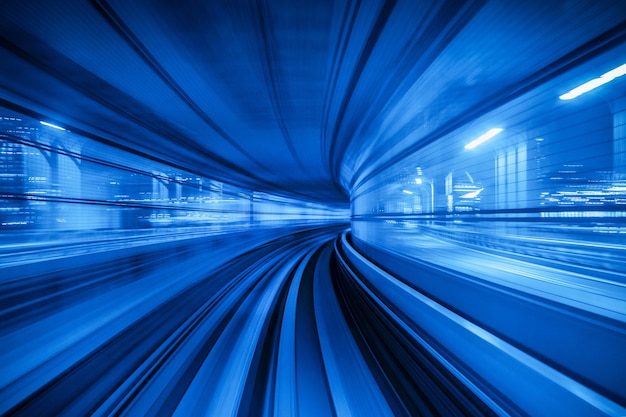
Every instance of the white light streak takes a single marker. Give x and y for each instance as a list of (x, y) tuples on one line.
[(595, 83), (483, 138), (51, 125)]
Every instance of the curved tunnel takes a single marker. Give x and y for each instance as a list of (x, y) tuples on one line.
[(334, 208)]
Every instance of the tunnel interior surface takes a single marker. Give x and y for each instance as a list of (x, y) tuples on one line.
[(298, 208)]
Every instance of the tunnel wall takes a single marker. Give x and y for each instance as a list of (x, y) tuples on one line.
[(514, 222), (59, 186), (534, 167)]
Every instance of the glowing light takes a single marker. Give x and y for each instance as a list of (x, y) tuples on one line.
[(418, 181), (407, 192), (472, 194), (51, 125), (595, 83), (483, 138)]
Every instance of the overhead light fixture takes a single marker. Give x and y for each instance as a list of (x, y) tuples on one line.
[(418, 180), (51, 125), (407, 192), (483, 138), (595, 83)]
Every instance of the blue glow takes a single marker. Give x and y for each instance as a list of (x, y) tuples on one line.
[(272, 210)]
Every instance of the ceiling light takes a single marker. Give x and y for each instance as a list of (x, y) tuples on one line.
[(595, 83), (51, 125), (483, 138)]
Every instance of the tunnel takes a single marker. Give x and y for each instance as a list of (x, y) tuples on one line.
[(313, 208)]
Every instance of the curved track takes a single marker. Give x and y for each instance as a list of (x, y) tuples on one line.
[(299, 325)]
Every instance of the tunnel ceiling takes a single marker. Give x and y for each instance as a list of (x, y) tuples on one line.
[(292, 97)]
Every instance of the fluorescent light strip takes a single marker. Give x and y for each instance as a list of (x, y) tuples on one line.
[(407, 192), (595, 83), (51, 125), (483, 138)]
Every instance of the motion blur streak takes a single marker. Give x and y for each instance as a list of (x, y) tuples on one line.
[(313, 208)]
